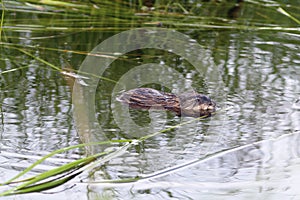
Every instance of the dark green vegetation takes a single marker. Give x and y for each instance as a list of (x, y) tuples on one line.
[(255, 44)]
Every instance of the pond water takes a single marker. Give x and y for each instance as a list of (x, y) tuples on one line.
[(248, 61)]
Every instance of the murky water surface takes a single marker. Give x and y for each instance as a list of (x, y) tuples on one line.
[(248, 149)]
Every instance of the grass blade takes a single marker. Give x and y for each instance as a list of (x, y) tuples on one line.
[(282, 11), (2, 19)]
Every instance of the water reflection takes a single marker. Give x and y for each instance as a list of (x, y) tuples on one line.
[(261, 91), (264, 169)]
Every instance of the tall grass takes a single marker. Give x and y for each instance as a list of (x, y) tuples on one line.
[(64, 173)]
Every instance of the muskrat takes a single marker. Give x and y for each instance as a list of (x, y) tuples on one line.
[(188, 104)]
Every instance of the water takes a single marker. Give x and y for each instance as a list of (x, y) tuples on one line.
[(249, 149)]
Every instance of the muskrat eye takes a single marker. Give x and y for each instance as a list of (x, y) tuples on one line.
[(211, 104)]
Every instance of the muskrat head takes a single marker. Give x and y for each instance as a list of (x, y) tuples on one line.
[(193, 104)]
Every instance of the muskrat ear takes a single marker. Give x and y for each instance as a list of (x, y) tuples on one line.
[(203, 99)]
